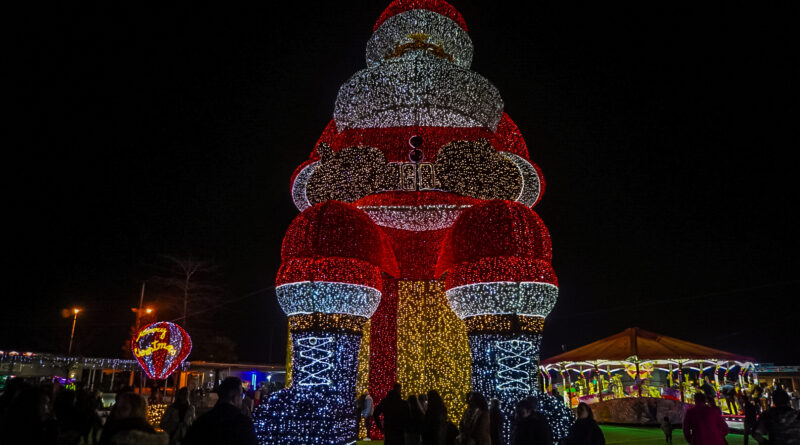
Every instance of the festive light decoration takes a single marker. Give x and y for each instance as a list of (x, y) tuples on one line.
[(504, 367), (474, 168), (531, 182), (328, 298), (412, 179), (327, 322), (534, 299), (419, 42), (160, 348), (504, 319), (439, 7), (329, 235), (300, 184), (501, 269), (410, 176), (425, 361), (435, 92), (318, 407), (558, 415), (415, 219), (335, 270), (347, 175), (645, 370), (362, 379), (403, 29), (468, 168), (155, 411), (362, 382), (289, 353), (513, 360), (317, 353), (58, 361), (503, 323), (383, 346), (504, 229)]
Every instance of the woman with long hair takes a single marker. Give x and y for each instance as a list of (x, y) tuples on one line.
[(178, 417), (474, 428), (585, 430)]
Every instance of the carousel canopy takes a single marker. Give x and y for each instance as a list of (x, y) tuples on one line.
[(645, 345)]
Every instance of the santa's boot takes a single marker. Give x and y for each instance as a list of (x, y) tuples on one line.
[(329, 286), (501, 283)]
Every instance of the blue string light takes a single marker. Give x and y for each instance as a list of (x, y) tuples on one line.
[(318, 408)]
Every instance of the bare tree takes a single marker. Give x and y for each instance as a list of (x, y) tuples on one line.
[(190, 288), (217, 348)]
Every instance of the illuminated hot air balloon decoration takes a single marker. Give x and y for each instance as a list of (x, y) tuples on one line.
[(160, 348)]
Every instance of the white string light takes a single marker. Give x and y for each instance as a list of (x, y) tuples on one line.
[(300, 184), (306, 297), (523, 298), (513, 359), (316, 353), (439, 29), (531, 183), (417, 89)]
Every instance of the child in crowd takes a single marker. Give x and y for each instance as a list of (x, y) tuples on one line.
[(666, 426)]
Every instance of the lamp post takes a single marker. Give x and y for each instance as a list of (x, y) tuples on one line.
[(72, 334), (139, 311)]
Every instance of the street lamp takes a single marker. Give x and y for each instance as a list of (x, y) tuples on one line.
[(72, 335), (141, 312)]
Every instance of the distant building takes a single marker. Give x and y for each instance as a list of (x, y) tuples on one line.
[(106, 374), (788, 376)]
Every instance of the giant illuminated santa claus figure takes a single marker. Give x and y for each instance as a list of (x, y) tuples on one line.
[(416, 257)]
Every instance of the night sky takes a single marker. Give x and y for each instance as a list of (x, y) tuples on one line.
[(662, 130)]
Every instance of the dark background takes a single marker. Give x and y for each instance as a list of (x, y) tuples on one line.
[(662, 130)]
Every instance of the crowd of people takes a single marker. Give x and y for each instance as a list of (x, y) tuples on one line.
[(52, 414), (703, 424), (422, 420)]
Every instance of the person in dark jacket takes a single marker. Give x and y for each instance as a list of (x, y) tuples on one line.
[(28, 418), (729, 392), (225, 423), (496, 422), (68, 417), (435, 427), (780, 423), (530, 426), (395, 417), (416, 416), (89, 404), (750, 417), (585, 430), (709, 391)]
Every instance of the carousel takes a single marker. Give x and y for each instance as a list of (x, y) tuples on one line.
[(638, 376)]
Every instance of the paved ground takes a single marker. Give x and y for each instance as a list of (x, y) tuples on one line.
[(631, 435)]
